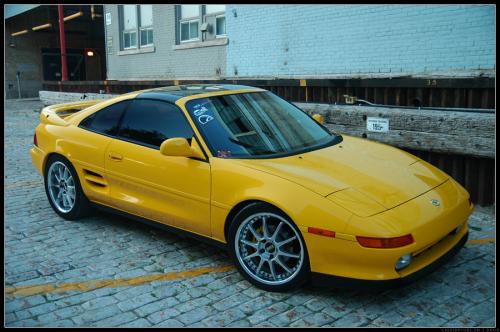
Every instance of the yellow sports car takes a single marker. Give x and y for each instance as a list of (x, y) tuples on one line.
[(249, 171)]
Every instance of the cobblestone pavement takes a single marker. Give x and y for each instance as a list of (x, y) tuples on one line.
[(69, 257)]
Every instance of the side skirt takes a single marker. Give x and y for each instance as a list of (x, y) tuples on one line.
[(161, 226)]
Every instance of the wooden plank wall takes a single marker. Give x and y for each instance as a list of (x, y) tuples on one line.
[(465, 92), (475, 174), (401, 96)]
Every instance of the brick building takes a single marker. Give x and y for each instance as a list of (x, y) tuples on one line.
[(299, 41), (165, 42)]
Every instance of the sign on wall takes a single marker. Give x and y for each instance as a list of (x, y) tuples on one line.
[(108, 18), (377, 124)]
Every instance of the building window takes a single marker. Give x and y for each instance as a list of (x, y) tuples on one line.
[(220, 18), (190, 23), (129, 27), (137, 23), (192, 17), (220, 26), (146, 25)]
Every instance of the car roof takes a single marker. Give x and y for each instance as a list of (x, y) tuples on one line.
[(173, 93)]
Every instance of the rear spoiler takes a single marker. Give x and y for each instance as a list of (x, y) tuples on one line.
[(55, 114)]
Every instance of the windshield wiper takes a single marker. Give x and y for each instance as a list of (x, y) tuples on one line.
[(246, 145)]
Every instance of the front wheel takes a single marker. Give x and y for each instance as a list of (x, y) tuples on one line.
[(63, 189), (268, 249)]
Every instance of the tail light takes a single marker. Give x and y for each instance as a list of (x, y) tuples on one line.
[(35, 141), (393, 242)]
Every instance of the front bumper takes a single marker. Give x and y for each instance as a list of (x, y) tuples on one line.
[(435, 229), (330, 281)]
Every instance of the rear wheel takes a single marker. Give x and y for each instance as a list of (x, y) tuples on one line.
[(63, 189), (268, 249)]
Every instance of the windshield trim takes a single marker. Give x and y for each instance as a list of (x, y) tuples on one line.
[(335, 138)]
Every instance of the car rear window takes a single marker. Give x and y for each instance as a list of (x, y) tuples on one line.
[(106, 120)]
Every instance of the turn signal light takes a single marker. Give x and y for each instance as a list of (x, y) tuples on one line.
[(393, 242), (319, 231), (35, 141)]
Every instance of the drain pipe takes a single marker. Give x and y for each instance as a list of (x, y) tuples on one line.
[(18, 74)]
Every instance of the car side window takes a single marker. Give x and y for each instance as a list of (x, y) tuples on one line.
[(150, 122), (105, 121)]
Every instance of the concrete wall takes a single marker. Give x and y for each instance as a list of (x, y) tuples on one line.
[(26, 58), (163, 62), (55, 97), (352, 40)]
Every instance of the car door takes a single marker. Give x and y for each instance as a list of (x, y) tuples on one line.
[(144, 182), (91, 140)]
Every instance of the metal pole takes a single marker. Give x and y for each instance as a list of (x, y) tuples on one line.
[(64, 64), (18, 84)]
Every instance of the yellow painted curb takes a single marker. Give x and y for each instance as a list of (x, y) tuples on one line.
[(94, 284), (481, 241)]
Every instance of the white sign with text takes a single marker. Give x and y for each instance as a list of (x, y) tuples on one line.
[(379, 125)]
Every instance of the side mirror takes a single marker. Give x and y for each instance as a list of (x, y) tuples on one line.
[(319, 118), (179, 147)]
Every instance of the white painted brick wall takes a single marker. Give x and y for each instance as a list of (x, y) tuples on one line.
[(359, 39)]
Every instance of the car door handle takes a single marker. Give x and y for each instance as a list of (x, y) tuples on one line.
[(115, 156)]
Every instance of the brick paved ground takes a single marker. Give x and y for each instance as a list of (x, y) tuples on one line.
[(41, 248)]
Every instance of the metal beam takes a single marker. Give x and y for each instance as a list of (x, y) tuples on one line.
[(64, 64)]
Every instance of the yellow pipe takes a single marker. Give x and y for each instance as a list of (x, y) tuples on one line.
[(75, 15), (19, 33), (43, 26), (93, 14)]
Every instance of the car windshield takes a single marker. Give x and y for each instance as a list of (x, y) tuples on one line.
[(256, 125)]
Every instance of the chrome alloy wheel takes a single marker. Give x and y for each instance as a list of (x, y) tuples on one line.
[(269, 248), (61, 187)]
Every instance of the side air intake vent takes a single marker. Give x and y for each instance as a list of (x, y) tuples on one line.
[(94, 178)]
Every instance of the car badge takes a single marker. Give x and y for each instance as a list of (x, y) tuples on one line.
[(435, 202)]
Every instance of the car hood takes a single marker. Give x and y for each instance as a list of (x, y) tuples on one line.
[(362, 176)]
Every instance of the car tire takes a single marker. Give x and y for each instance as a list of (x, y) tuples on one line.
[(276, 260), (63, 189)]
